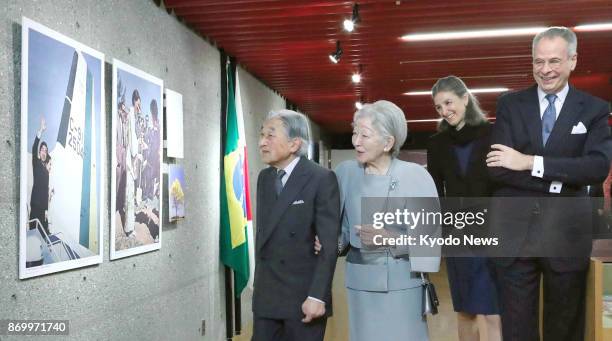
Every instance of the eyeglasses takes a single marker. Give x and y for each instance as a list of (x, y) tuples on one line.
[(553, 63)]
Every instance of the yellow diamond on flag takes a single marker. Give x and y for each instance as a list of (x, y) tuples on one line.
[(234, 180)]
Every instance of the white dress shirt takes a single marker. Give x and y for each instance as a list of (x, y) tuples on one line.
[(538, 161), (289, 169)]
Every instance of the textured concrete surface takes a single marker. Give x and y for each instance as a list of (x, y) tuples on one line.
[(162, 295)]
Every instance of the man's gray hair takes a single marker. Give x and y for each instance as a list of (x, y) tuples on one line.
[(296, 126), (557, 31), (388, 120)]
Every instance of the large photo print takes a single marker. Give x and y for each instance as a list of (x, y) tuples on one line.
[(137, 154), (62, 152)]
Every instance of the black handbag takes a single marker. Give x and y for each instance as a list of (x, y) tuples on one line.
[(430, 298)]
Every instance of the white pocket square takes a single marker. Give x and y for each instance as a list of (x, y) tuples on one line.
[(297, 202), (579, 129)]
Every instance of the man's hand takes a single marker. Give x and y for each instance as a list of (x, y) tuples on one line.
[(506, 157), (312, 310)]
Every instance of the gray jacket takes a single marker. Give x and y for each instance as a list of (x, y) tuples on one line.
[(385, 268)]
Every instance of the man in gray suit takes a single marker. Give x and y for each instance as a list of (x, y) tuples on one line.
[(296, 201)]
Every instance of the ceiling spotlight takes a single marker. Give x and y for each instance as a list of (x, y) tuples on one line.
[(356, 77), (359, 103), (349, 24), (335, 56)]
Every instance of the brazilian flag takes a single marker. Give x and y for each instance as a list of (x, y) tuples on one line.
[(234, 199)]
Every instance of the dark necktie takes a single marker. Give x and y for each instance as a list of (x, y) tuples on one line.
[(549, 117), (278, 183)]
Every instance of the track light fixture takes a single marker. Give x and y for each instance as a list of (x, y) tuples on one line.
[(335, 56), (349, 24)]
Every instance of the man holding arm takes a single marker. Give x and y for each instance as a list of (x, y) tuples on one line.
[(550, 140)]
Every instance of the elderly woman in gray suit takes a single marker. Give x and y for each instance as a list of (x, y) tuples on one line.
[(383, 282)]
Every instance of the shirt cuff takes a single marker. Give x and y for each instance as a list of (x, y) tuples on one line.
[(538, 166), (315, 299), (555, 187)]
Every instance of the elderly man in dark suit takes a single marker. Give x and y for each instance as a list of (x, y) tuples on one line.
[(296, 201), (549, 142)]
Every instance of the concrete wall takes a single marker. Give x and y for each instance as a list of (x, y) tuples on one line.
[(162, 295)]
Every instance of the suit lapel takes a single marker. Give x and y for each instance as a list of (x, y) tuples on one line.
[(296, 182), (530, 110), (266, 198), (569, 114)]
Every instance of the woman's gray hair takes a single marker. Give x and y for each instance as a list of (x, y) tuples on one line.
[(388, 120), (296, 126), (453, 84), (557, 31)]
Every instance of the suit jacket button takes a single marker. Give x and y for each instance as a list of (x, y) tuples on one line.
[(282, 261), (292, 233)]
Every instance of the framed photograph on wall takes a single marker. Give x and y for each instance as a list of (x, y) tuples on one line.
[(62, 153), (136, 183), (176, 194)]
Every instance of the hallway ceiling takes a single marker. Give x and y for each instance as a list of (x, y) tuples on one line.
[(286, 45)]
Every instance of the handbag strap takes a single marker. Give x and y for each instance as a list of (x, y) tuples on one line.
[(424, 278)]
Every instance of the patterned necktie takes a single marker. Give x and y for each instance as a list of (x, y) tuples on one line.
[(549, 117), (278, 183)]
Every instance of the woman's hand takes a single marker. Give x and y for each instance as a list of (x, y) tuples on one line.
[(367, 233), (317, 245), (43, 126), (51, 194)]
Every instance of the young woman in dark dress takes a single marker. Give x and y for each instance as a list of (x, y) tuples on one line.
[(456, 160), (39, 199)]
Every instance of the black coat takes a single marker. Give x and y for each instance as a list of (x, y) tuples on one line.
[(455, 186), (443, 165), (39, 201)]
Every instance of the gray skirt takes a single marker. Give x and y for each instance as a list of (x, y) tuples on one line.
[(386, 316)]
